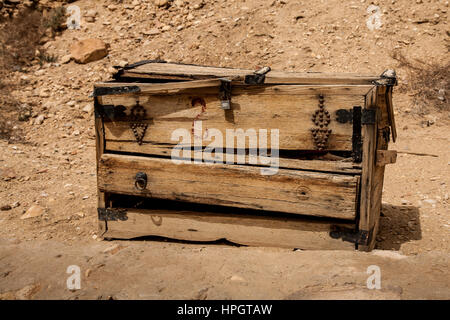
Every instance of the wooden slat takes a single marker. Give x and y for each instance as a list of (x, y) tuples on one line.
[(237, 228), (102, 197), (335, 166), (291, 191), (178, 71), (291, 114)]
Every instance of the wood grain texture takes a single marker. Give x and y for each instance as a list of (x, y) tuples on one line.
[(290, 191), (333, 166), (242, 229), (192, 72), (290, 114), (100, 148), (385, 157)]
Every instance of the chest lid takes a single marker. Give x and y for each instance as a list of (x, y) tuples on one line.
[(161, 71)]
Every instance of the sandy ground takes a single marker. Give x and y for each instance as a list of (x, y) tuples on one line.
[(55, 166)]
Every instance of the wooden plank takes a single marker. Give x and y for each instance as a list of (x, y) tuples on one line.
[(373, 176), (163, 88), (100, 148), (385, 157), (291, 191), (368, 163), (291, 115), (178, 71), (336, 166), (237, 228), (237, 88)]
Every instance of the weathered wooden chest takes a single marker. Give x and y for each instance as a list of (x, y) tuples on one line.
[(254, 157)]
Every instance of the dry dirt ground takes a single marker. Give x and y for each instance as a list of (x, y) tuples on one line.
[(54, 166)]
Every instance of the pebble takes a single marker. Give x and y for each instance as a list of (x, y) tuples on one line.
[(5, 207), (39, 120), (88, 108), (66, 59), (27, 292), (33, 211)]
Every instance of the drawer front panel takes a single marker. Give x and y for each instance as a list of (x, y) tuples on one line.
[(290, 109), (290, 191)]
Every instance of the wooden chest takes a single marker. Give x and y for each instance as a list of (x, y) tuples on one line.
[(254, 157)]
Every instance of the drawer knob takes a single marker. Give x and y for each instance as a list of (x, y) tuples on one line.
[(140, 180)]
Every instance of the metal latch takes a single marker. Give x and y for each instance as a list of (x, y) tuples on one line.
[(225, 94)]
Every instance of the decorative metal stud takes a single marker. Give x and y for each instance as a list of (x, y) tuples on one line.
[(321, 118), (137, 124)]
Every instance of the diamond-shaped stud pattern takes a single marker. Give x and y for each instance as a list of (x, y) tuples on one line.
[(321, 118)]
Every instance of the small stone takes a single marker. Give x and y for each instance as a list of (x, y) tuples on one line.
[(91, 13), (66, 59), (5, 207), (15, 204), (151, 32), (113, 249), (76, 133), (161, 3), (123, 63), (33, 211), (27, 292), (88, 108), (237, 278), (405, 202), (88, 50), (39, 120)]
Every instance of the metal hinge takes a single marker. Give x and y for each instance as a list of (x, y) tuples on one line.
[(112, 214), (258, 77), (350, 235), (110, 112), (104, 91), (368, 116)]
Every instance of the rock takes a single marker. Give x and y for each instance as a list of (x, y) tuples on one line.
[(441, 94), (123, 63), (91, 13), (161, 3), (88, 108), (15, 204), (5, 207), (151, 32), (39, 120), (88, 50), (405, 202), (66, 59), (89, 19), (27, 292), (237, 278), (33, 211), (8, 296), (113, 249)]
